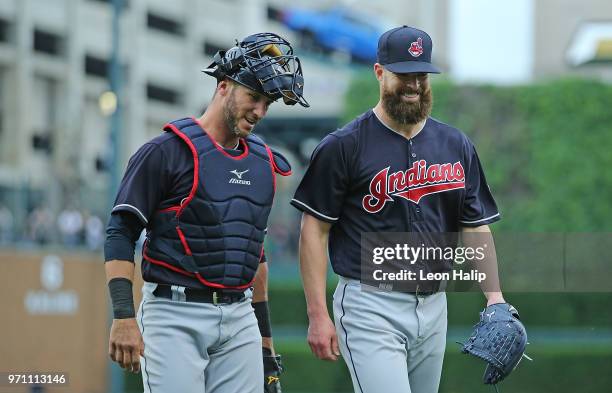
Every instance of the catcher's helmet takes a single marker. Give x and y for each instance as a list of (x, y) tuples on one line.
[(265, 63)]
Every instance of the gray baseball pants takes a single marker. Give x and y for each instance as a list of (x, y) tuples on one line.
[(199, 347), (392, 342)]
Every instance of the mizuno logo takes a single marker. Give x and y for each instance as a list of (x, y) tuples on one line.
[(239, 174), (238, 178)]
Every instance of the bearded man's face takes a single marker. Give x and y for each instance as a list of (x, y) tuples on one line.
[(407, 98)]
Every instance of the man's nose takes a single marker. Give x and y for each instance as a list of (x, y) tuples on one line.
[(412, 83), (260, 109)]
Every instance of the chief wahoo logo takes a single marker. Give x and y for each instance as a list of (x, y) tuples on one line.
[(416, 48)]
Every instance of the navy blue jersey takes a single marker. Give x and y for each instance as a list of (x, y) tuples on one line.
[(158, 176), (367, 177)]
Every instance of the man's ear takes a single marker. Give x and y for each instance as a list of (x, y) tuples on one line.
[(224, 87), (378, 71)]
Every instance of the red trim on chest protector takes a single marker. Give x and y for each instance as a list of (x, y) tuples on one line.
[(193, 275), (196, 168), (271, 158), (169, 209), (164, 264), (183, 241), (274, 166)]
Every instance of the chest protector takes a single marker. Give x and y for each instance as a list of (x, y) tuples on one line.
[(216, 234)]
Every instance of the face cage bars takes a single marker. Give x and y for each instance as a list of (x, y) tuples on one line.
[(279, 75)]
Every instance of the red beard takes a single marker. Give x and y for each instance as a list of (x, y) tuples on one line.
[(404, 112)]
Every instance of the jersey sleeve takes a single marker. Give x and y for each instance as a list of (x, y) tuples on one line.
[(479, 207), (141, 188), (322, 189)]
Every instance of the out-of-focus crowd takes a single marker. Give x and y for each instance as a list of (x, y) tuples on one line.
[(74, 228), (71, 228)]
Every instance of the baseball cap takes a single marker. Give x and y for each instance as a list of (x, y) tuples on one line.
[(406, 49)]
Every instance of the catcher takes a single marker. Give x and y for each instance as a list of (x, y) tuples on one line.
[(204, 190)]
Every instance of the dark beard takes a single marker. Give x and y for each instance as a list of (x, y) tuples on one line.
[(229, 113), (406, 113)]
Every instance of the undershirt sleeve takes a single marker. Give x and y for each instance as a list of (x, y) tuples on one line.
[(122, 233)]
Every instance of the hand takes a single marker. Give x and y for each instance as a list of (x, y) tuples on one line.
[(322, 338), (125, 345)]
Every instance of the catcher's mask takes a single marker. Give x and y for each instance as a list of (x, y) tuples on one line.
[(265, 63)]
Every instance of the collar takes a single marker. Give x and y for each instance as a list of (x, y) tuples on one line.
[(397, 132)]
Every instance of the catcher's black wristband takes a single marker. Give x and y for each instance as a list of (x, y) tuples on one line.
[(262, 313), (122, 298)]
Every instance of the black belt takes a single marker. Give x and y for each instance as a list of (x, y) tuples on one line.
[(208, 295)]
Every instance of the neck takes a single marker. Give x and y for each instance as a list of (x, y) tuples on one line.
[(407, 130), (214, 123)]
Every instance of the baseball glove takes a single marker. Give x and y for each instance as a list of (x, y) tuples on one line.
[(273, 368), (499, 338)]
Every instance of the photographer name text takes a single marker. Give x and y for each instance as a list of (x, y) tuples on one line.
[(409, 275)]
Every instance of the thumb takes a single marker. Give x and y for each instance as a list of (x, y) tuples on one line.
[(334, 345)]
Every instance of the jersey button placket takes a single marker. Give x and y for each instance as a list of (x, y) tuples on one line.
[(410, 154), (417, 209)]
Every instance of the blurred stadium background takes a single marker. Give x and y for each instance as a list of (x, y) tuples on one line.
[(529, 81)]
